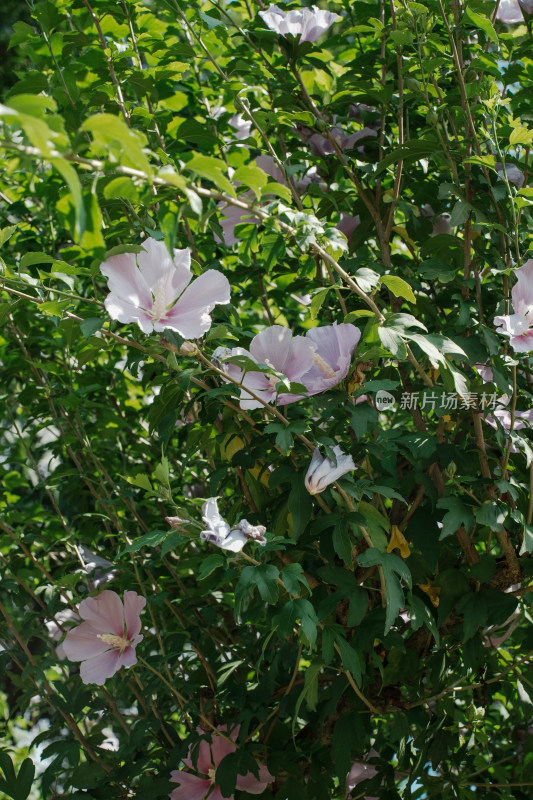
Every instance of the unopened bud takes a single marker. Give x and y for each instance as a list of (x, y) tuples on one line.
[(188, 349), (451, 469), (432, 117)]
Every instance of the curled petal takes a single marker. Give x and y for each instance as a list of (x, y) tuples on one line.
[(322, 471)]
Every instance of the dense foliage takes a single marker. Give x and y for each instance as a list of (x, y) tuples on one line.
[(376, 176)]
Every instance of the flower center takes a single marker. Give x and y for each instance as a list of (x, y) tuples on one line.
[(211, 774), (159, 306), (323, 366), (115, 641)]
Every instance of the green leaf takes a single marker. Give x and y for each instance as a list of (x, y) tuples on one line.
[(151, 539), (293, 577), (6, 233), (393, 569), (90, 325), (209, 565), (351, 659), (480, 21), (398, 287), (113, 138), (527, 543), (521, 135), (213, 169), (458, 514), (460, 213), (70, 176), (492, 514), (253, 177), (300, 505), (29, 259), (317, 301), (263, 577), (309, 693), (342, 543)]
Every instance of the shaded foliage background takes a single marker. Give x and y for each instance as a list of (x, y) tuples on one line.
[(341, 635)]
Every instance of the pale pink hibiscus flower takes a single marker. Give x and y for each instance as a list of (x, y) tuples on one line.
[(307, 23), (194, 787), (519, 326), (107, 638), (277, 348), (334, 346), (152, 289)]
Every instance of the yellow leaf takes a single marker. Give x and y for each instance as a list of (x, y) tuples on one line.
[(432, 592), (398, 540)]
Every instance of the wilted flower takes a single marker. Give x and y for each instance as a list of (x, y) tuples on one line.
[(100, 569), (514, 175), (361, 771), (57, 625), (323, 471), (519, 326), (194, 787), (526, 6), (348, 224), (152, 289), (277, 348), (509, 11), (322, 146), (307, 23), (334, 347), (220, 533), (107, 638)]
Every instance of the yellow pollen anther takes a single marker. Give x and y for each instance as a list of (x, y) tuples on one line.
[(323, 366), (211, 773), (115, 641)]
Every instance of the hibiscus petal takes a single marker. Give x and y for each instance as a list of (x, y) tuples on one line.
[(190, 316), (82, 642), (299, 359), (133, 605), (216, 794), (512, 325), (129, 657), (125, 280), (272, 346), (125, 311), (105, 612), (100, 668), (220, 747), (522, 291), (249, 783), (213, 519), (156, 264), (191, 786)]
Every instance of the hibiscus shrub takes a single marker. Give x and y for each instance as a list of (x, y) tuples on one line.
[(267, 324)]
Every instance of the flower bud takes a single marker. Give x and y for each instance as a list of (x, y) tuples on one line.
[(188, 349)]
